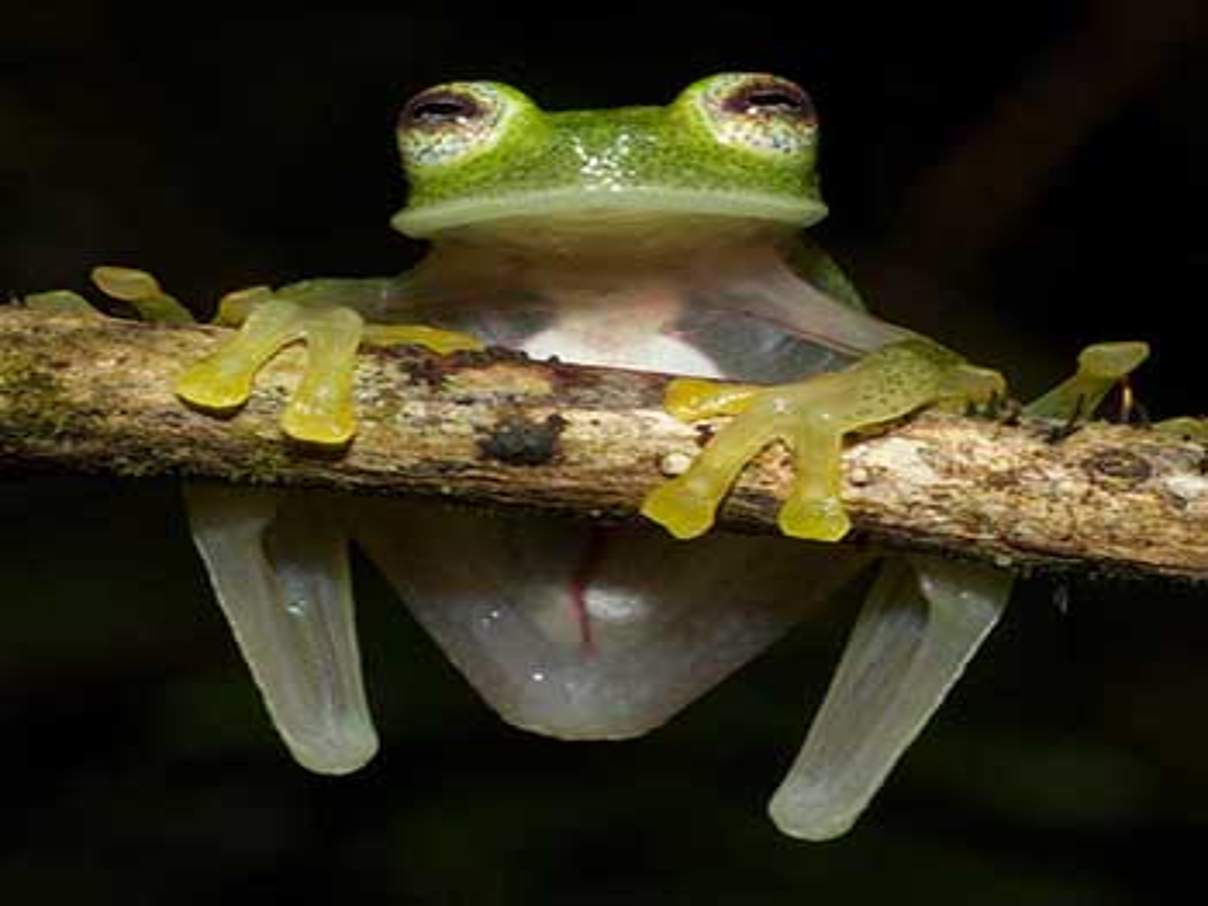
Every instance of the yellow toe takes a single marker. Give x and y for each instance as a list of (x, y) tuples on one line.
[(814, 518), (207, 387), (680, 510)]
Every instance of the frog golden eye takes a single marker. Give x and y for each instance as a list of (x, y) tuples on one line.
[(761, 113), (454, 121)]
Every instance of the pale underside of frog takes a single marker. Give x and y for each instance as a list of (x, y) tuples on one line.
[(656, 238)]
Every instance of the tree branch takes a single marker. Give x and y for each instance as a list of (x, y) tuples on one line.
[(94, 395)]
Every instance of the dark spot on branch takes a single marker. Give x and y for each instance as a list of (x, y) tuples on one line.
[(521, 442)]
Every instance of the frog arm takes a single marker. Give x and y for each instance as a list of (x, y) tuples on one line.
[(811, 417), (279, 566), (922, 622), (324, 313)]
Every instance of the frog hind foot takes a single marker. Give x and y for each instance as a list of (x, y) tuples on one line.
[(910, 644), (280, 572)]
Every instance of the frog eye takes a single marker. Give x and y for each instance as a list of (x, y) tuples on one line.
[(454, 121), (771, 96), (761, 113), (438, 107)]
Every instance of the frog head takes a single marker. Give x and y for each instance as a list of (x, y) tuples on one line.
[(483, 159)]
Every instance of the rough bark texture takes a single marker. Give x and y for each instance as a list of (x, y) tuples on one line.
[(95, 395)]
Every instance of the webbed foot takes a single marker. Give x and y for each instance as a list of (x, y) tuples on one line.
[(811, 417)]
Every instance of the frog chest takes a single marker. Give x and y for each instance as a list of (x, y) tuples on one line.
[(696, 340), (618, 342)]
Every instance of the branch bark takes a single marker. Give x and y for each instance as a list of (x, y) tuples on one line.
[(94, 395)]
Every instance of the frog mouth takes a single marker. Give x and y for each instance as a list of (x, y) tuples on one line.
[(600, 205)]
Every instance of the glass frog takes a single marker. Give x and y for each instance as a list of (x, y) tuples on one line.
[(656, 238)]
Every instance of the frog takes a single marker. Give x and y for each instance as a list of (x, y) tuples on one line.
[(659, 238)]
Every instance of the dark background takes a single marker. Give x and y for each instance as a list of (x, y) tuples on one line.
[(1015, 180)]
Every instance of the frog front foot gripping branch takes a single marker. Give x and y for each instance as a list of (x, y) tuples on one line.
[(924, 618), (811, 417), (323, 314)]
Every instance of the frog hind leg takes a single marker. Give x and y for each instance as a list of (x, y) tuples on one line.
[(917, 631), (279, 567), (923, 621)]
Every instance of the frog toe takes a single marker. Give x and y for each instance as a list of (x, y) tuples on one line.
[(223, 381), (142, 291), (321, 410), (1112, 361), (60, 302), (1100, 367), (689, 399), (814, 518), (683, 507)]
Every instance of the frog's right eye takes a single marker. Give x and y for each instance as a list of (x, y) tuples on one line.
[(438, 107), (455, 121)]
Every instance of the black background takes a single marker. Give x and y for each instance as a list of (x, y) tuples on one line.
[(1014, 180)]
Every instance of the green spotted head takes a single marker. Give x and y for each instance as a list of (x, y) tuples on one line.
[(483, 155)]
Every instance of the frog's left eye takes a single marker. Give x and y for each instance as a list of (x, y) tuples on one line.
[(761, 113), (457, 120), (771, 96)]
